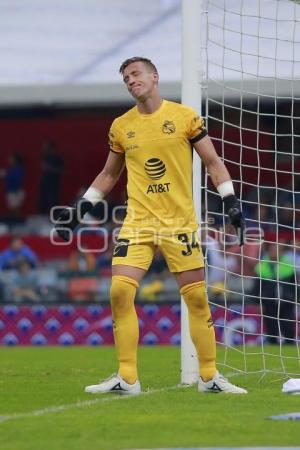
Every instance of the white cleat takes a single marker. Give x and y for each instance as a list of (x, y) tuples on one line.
[(219, 384), (114, 384)]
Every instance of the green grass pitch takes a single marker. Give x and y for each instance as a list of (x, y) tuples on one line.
[(43, 405)]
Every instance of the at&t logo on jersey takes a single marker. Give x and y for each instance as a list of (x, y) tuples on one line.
[(155, 168), (158, 188)]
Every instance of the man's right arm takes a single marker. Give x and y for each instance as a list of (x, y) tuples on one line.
[(110, 174), (70, 218)]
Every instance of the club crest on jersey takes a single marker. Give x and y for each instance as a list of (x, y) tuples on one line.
[(155, 168), (168, 127), (130, 134)]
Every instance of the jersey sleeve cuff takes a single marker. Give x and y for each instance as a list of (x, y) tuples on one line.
[(198, 137), (115, 151)]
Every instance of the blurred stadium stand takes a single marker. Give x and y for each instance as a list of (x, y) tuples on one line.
[(59, 81)]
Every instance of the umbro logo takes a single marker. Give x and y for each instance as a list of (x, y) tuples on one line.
[(210, 322), (130, 134), (215, 387), (117, 387)]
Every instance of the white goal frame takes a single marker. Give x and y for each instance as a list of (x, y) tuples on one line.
[(196, 84), (192, 72)]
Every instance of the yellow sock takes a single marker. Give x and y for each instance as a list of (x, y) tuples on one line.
[(125, 325), (201, 327)]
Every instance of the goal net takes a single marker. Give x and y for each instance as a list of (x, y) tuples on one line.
[(252, 104)]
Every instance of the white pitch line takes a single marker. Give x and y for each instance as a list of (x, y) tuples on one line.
[(82, 404)]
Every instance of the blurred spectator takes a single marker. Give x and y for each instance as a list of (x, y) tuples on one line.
[(276, 286), (150, 290), (262, 196), (293, 252), (25, 285), (14, 185), (290, 192), (81, 271), (264, 218), (229, 267), (52, 168), (81, 262), (2, 289), (286, 217), (219, 263), (158, 268), (104, 260), (217, 245), (16, 253), (154, 281), (275, 208)]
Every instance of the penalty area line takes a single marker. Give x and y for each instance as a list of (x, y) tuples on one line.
[(81, 404)]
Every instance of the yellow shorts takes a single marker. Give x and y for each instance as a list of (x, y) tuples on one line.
[(181, 251)]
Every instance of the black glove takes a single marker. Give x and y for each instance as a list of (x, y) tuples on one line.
[(70, 218), (233, 209)]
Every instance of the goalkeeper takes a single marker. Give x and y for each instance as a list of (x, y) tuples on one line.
[(154, 142)]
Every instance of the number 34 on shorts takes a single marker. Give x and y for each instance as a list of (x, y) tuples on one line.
[(181, 251)]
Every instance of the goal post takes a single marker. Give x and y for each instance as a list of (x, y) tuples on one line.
[(250, 53), (191, 74)]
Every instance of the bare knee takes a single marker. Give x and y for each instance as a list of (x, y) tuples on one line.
[(128, 271), (189, 277)]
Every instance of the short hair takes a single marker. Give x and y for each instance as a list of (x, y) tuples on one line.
[(134, 59)]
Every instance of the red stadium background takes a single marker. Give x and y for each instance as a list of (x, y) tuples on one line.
[(81, 139)]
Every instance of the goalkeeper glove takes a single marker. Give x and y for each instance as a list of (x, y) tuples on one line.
[(233, 209), (70, 218)]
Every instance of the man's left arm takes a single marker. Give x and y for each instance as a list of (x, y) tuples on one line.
[(222, 182)]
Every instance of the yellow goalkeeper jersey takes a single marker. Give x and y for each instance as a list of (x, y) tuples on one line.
[(158, 157)]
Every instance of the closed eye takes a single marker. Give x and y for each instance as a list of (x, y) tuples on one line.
[(135, 73)]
